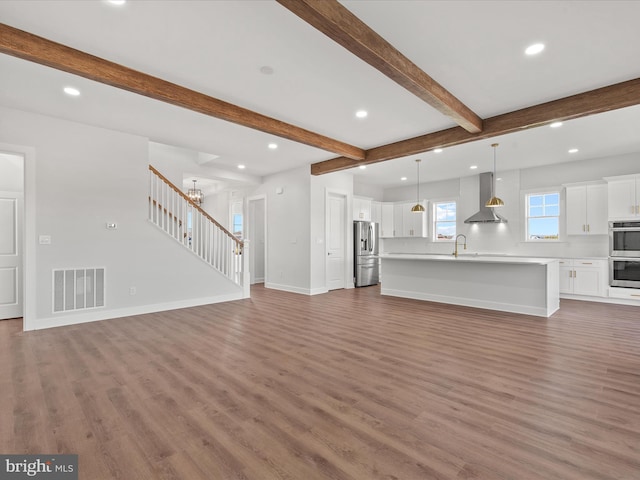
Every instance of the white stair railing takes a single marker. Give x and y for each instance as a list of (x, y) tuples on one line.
[(178, 216)]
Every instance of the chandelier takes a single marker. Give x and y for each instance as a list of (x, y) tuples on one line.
[(195, 194)]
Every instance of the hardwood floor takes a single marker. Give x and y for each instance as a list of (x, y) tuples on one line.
[(346, 385)]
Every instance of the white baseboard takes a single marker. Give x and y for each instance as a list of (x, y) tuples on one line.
[(612, 300), (466, 302), (95, 315), (292, 289)]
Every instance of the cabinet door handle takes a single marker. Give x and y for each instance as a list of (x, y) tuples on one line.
[(583, 229), (588, 229), (587, 263)]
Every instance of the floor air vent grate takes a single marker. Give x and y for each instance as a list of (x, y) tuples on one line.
[(78, 289)]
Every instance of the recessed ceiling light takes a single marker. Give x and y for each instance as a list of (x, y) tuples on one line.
[(117, 2), (267, 70), (241, 167), (534, 49), (437, 150), (74, 92), (499, 179), (273, 146), (573, 150), (403, 179), (473, 167), (556, 124), (362, 113), (362, 167)]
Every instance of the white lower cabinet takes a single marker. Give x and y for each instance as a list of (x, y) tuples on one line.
[(583, 276)]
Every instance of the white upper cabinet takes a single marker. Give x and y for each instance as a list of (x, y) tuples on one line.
[(362, 208), (624, 197), (414, 223), (398, 219), (587, 209), (376, 213), (386, 220)]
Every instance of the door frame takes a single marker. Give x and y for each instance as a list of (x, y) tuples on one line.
[(28, 246), (347, 238), (256, 198)]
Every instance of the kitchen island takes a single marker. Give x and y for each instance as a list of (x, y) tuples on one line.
[(497, 282)]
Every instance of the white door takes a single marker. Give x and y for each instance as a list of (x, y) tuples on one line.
[(10, 255), (336, 240)]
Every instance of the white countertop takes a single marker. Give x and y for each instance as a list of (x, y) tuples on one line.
[(468, 257)]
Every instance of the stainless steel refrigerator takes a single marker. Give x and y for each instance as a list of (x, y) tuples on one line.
[(365, 257)]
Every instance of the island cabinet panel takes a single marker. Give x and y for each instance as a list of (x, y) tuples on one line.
[(512, 284), (624, 197), (587, 212)]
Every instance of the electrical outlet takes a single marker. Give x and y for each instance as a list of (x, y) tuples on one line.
[(132, 290)]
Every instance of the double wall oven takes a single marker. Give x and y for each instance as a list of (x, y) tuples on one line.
[(624, 254)]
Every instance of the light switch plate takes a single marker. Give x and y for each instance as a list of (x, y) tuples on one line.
[(45, 239)]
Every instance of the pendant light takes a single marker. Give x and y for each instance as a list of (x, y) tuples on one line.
[(195, 194), (494, 201), (418, 208)]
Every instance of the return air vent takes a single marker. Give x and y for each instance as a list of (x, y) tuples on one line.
[(78, 289)]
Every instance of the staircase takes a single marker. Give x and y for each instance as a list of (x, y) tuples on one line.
[(178, 216)]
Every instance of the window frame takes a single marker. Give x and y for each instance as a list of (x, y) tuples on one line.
[(434, 220), (561, 214)]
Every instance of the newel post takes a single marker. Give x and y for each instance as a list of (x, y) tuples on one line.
[(246, 275)]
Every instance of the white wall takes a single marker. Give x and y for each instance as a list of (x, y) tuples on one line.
[(371, 191), (11, 173), (288, 231), (84, 178), (509, 238)]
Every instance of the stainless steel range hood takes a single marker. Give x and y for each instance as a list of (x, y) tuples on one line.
[(486, 214)]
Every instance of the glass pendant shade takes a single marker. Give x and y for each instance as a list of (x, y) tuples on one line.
[(494, 201), (418, 208)]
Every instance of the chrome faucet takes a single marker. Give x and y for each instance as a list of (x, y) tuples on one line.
[(455, 252)]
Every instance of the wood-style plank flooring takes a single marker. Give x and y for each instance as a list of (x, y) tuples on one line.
[(346, 385)]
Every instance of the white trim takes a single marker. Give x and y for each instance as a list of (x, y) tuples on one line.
[(93, 316), (292, 289), (504, 307)]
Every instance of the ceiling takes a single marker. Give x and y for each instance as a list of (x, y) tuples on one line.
[(475, 49)]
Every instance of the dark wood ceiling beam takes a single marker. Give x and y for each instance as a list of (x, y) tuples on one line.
[(36, 49), (600, 100), (342, 26)]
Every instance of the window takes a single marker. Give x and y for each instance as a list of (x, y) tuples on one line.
[(235, 209), (444, 221), (543, 216), (237, 225)]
